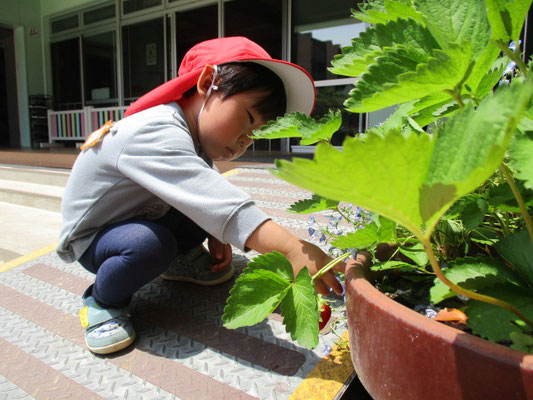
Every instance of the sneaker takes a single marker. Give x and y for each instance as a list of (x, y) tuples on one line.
[(107, 330), (195, 266)]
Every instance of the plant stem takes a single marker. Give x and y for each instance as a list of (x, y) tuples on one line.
[(472, 295), (330, 265), (343, 215), (519, 200), (514, 56)]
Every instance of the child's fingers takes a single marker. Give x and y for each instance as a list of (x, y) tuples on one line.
[(331, 281)]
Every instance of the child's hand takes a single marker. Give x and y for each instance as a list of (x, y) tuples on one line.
[(308, 255), (220, 253)]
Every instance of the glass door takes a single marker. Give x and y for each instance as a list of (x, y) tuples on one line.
[(143, 58)]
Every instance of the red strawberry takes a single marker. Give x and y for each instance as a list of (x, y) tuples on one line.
[(325, 314)]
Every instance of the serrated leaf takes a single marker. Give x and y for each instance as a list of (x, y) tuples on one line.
[(402, 74), (360, 176), (413, 179), (321, 131), (274, 262), (471, 210), (522, 342), (518, 251), (382, 11), (502, 198), (315, 204), (360, 239), (506, 18), (300, 311), (254, 297), (480, 136), (485, 236), (388, 265), (521, 152), (371, 44), (493, 322), (416, 253), (473, 274), (300, 125), (457, 21), (491, 77)]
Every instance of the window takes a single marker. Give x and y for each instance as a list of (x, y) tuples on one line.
[(258, 20), (66, 76), (99, 69), (143, 58), (195, 26), (130, 6), (99, 15), (65, 24), (319, 31)]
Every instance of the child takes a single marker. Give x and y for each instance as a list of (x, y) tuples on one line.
[(143, 196)]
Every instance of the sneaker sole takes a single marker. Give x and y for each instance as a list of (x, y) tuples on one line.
[(112, 348), (222, 279)]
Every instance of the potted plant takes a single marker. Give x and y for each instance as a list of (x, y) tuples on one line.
[(447, 179)]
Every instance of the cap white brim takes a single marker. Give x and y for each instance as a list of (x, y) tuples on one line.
[(299, 86)]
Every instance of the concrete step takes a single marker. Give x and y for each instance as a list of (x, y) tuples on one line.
[(39, 175), (46, 197), (26, 229)]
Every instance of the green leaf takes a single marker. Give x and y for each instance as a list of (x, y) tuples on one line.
[(300, 125), (412, 179), (474, 274), (485, 236), (315, 204), (322, 131), (496, 323), (370, 44), (488, 78), (283, 127), (360, 176), (521, 152), (518, 251), (360, 239), (402, 74), (389, 265), (416, 253), (502, 197), (470, 147), (300, 311), (457, 21), (506, 18), (254, 297), (470, 209), (522, 342), (274, 262)]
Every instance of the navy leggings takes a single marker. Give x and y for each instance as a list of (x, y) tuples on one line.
[(129, 254)]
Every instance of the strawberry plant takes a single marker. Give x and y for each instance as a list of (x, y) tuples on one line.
[(449, 175)]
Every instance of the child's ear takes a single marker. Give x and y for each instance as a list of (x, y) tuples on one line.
[(205, 80)]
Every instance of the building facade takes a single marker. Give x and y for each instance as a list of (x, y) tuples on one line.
[(67, 55), (77, 56)]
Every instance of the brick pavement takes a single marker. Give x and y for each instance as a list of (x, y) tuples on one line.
[(182, 350)]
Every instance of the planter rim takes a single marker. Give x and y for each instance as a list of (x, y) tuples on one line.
[(356, 274)]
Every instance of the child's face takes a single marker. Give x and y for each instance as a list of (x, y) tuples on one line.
[(225, 125)]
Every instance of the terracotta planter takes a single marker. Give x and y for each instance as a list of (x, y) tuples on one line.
[(400, 354)]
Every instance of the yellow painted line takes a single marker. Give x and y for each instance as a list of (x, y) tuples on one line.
[(231, 172), (328, 377), (28, 257)]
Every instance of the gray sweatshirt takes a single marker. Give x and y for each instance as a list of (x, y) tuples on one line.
[(146, 164)]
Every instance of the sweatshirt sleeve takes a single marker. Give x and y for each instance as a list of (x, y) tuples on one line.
[(161, 157)]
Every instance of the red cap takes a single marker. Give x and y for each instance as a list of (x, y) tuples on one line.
[(299, 86)]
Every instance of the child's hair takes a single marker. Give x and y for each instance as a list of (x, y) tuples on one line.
[(239, 77)]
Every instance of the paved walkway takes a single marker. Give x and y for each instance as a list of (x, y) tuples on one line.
[(182, 351)]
